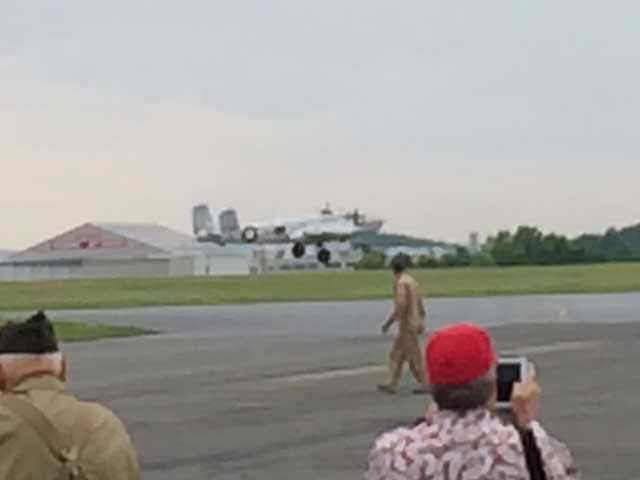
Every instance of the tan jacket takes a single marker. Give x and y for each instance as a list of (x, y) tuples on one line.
[(409, 309), (106, 451)]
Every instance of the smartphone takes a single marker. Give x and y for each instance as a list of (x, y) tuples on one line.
[(510, 370)]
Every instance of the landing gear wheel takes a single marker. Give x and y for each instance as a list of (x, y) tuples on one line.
[(250, 234), (324, 256), (298, 250)]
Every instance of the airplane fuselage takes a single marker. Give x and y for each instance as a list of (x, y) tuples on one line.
[(326, 228)]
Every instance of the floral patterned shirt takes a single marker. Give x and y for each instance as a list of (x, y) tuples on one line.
[(473, 446)]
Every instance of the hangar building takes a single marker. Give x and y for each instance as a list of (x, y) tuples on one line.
[(103, 250)]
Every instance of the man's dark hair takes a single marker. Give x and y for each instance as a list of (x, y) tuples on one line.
[(462, 398), (36, 336), (400, 263)]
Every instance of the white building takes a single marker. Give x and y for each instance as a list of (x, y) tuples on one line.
[(474, 243), (278, 258), (102, 250)]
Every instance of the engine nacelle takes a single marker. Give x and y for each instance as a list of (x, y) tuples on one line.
[(250, 234)]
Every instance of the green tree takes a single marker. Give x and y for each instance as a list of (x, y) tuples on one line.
[(506, 251), (463, 258), (372, 260), (482, 260), (530, 241), (448, 260), (555, 250), (528, 245), (427, 262), (614, 247)]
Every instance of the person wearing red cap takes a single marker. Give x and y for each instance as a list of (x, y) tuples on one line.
[(461, 437)]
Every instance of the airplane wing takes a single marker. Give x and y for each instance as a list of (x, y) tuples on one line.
[(324, 233)]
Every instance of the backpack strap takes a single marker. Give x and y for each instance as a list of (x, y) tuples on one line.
[(533, 456), (45, 430)]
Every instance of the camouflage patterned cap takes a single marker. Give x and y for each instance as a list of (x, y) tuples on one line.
[(36, 335)]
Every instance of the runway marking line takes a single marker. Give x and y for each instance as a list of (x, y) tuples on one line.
[(554, 347), (365, 370), (329, 374)]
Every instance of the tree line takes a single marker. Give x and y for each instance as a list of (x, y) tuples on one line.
[(528, 245)]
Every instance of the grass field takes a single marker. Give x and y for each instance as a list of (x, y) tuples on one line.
[(80, 332), (114, 293)]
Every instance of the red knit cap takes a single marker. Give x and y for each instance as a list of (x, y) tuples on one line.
[(459, 354)]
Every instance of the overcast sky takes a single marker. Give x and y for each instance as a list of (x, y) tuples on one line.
[(443, 117)]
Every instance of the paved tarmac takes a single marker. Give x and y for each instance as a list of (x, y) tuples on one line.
[(288, 391), (357, 318)]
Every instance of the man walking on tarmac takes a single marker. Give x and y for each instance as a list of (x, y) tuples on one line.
[(410, 315)]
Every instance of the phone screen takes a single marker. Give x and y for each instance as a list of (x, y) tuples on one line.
[(508, 373)]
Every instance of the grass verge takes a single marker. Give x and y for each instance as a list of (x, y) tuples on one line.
[(464, 282), (83, 332)]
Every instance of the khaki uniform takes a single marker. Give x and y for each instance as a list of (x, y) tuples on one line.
[(105, 449), (410, 315)]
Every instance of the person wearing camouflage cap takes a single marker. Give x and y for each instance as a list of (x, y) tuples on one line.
[(46, 433)]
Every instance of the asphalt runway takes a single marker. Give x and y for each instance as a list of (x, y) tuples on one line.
[(288, 391), (357, 318)]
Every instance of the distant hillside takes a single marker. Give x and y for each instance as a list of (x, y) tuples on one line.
[(614, 245), (382, 240)]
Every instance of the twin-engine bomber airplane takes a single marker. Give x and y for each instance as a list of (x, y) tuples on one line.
[(315, 230)]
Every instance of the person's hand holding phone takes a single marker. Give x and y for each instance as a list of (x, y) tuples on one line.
[(525, 400)]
